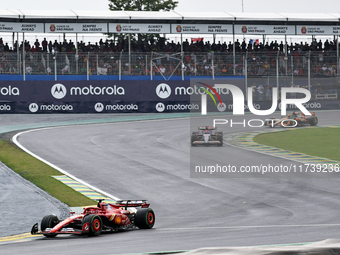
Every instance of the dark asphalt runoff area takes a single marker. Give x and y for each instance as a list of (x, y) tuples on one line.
[(151, 160)]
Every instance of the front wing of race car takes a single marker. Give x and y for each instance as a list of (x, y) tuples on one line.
[(35, 231), (62, 227), (208, 142)]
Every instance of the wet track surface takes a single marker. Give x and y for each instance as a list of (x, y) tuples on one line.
[(150, 160)]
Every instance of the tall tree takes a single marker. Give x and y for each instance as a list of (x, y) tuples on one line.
[(142, 5)]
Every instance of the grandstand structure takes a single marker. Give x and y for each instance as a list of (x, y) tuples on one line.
[(275, 65)]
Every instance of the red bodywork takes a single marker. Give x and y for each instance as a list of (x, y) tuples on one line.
[(115, 216)]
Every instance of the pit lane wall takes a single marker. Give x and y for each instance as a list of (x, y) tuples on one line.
[(112, 96)]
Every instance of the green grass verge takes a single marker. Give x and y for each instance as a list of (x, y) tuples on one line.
[(320, 142), (40, 174)]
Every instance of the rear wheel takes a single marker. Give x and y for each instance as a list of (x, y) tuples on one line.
[(92, 225), (313, 121), (145, 218), (49, 221)]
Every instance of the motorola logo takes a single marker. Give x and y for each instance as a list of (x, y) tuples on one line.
[(99, 107), (163, 90), (33, 107), (58, 91), (160, 107)]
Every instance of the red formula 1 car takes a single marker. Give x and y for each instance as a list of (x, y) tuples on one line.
[(124, 214), (293, 120)]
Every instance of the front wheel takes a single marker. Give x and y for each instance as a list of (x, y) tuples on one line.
[(193, 139), (92, 225), (220, 138), (49, 221), (145, 218)]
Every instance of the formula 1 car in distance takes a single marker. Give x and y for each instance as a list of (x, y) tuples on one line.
[(293, 120), (105, 217), (207, 136)]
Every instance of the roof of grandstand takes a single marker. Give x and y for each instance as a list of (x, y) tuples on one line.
[(167, 17)]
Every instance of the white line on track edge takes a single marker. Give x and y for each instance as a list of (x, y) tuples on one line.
[(16, 142)]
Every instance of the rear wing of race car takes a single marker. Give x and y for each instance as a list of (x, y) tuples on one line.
[(132, 203), (206, 128)]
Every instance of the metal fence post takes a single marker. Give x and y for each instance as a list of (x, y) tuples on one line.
[(23, 57), (309, 70), (55, 66), (212, 66), (277, 70), (246, 74), (182, 65), (120, 66), (151, 66), (88, 66)]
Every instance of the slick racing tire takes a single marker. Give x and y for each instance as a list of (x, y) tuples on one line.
[(145, 218), (193, 138), (220, 138), (49, 221), (92, 225), (313, 121)]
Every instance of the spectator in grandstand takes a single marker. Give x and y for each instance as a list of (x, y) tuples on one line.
[(48, 70), (11, 69), (65, 69), (162, 70), (44, 45), (254, 90), (50, 46), (260, 92), (28, 69), (6, 48), (83, 70), (37, 45), (1, 45)]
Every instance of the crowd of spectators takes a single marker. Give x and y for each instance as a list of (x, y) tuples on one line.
[(198, 57), (163, 45)]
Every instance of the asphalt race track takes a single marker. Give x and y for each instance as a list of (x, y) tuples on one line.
[(150, 160)]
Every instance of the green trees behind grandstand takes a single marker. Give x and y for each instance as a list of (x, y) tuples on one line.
[(141, 5)]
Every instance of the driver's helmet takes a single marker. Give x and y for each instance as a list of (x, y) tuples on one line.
[(206, 132)]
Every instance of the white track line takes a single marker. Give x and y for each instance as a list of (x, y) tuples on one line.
[(248, 227), (16, 142)]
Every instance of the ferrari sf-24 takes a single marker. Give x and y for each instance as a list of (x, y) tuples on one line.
[(105, 217)]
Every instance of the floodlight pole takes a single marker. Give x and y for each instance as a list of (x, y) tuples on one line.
[(23, 57)]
